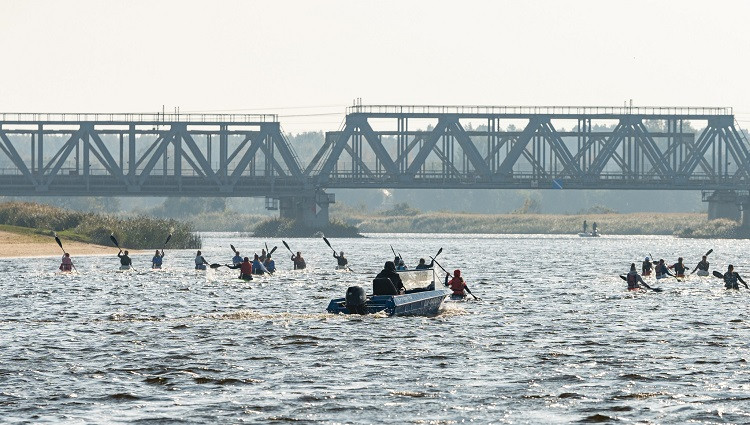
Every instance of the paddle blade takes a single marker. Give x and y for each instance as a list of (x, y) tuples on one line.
[(709, 252), (623, 277), (215, 266), (327, 243), (273, 250), (233, 250), (439, 251), (718, 274), (266, 244), (58, 242), (656, 289), (114, 240), (168, 238), (286, 245)]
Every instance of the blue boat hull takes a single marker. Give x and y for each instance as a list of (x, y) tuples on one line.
[(424, 303)]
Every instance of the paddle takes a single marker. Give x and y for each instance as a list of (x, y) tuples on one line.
[(272, 250), (266, 244), (114, 241), (216, 266), (643, 283), (63, 249), (706, 255), (396, 255), (235, 251), (446, 272), (287, 247), (166, 242)]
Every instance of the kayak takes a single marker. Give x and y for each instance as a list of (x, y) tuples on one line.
[(344, 268), (702, 273), (123, 269), (589, 235)]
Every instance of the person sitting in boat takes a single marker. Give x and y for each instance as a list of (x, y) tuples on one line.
[(246, 269), (646, 267), (423, 264), (678, 268), (299, 262), (125, 261), (661, 270), (389, 271), (342, 261), (401, 266), (457, 284), (237, 259), (66, 265), (633, 278), (258, 267), (156, 260), (270, 264), (702, 267), (731, 277), (593, 228), (262, 256), (200, 262)]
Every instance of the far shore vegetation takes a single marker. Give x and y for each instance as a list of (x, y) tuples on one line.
[(138, 232)]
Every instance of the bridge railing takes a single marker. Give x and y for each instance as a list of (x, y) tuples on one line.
[(537, 110), (74, 118)]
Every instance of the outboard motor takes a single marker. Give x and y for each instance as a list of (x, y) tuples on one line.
[(356, 299)]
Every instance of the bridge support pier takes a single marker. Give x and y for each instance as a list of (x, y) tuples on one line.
[(309, 209), (723, 204)]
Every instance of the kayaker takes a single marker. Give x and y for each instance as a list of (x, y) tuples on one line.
[(702, 267), (125, 261), (262, 256), (237, 259), (299, 262), (342, 261), (662, 271), (633, 278), (246, 269), (423, 264), (679, 268), (156, 260), (200, 262), (731, 277), (270, 264), (646, 267), (258, 267), (389, 271), (401, 266), (593, 228), (66, 265), (457, 284)]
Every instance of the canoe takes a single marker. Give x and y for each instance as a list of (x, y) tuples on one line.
[(425, 303)]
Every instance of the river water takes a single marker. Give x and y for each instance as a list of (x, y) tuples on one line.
[(555, 339)]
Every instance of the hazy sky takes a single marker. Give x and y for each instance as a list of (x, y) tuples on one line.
[(313, 57)]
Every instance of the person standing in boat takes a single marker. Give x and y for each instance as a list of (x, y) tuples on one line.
[(731, 277), (633, 279), (299, 262), (646, 267), (270, 264), (585, 226), (389, 271), (662, 271), (125, 261), (340, 259), (258, 267), (702, 267), (679, 268), (156, 260), (237, 259), (246, 269), (423, 264), (200, 262), (66, 264)]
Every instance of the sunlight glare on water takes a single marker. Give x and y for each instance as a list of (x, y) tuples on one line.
[(556, 339)]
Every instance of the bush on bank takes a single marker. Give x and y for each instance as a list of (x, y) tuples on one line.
[(279, 227), (136, 232)]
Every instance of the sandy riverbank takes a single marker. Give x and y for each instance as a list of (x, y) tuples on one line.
[(18, 245)]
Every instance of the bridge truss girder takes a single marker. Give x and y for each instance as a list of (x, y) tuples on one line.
[(629, 155), (148, 158)]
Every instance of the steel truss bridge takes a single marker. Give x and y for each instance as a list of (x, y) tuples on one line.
[(430, 147)]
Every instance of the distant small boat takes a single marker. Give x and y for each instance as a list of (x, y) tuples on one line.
[(589, 235)]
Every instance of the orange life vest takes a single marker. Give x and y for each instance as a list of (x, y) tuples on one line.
[(457, 285)]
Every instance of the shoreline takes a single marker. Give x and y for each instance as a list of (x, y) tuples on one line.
[(18, 245)]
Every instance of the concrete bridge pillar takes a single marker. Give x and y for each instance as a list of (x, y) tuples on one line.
[(309, 209), (723, 204)]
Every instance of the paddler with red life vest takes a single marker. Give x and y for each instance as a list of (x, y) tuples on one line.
[(67, 264), (246, 269), (646, 267), (633, 278), (457, 284), (679, 268)]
